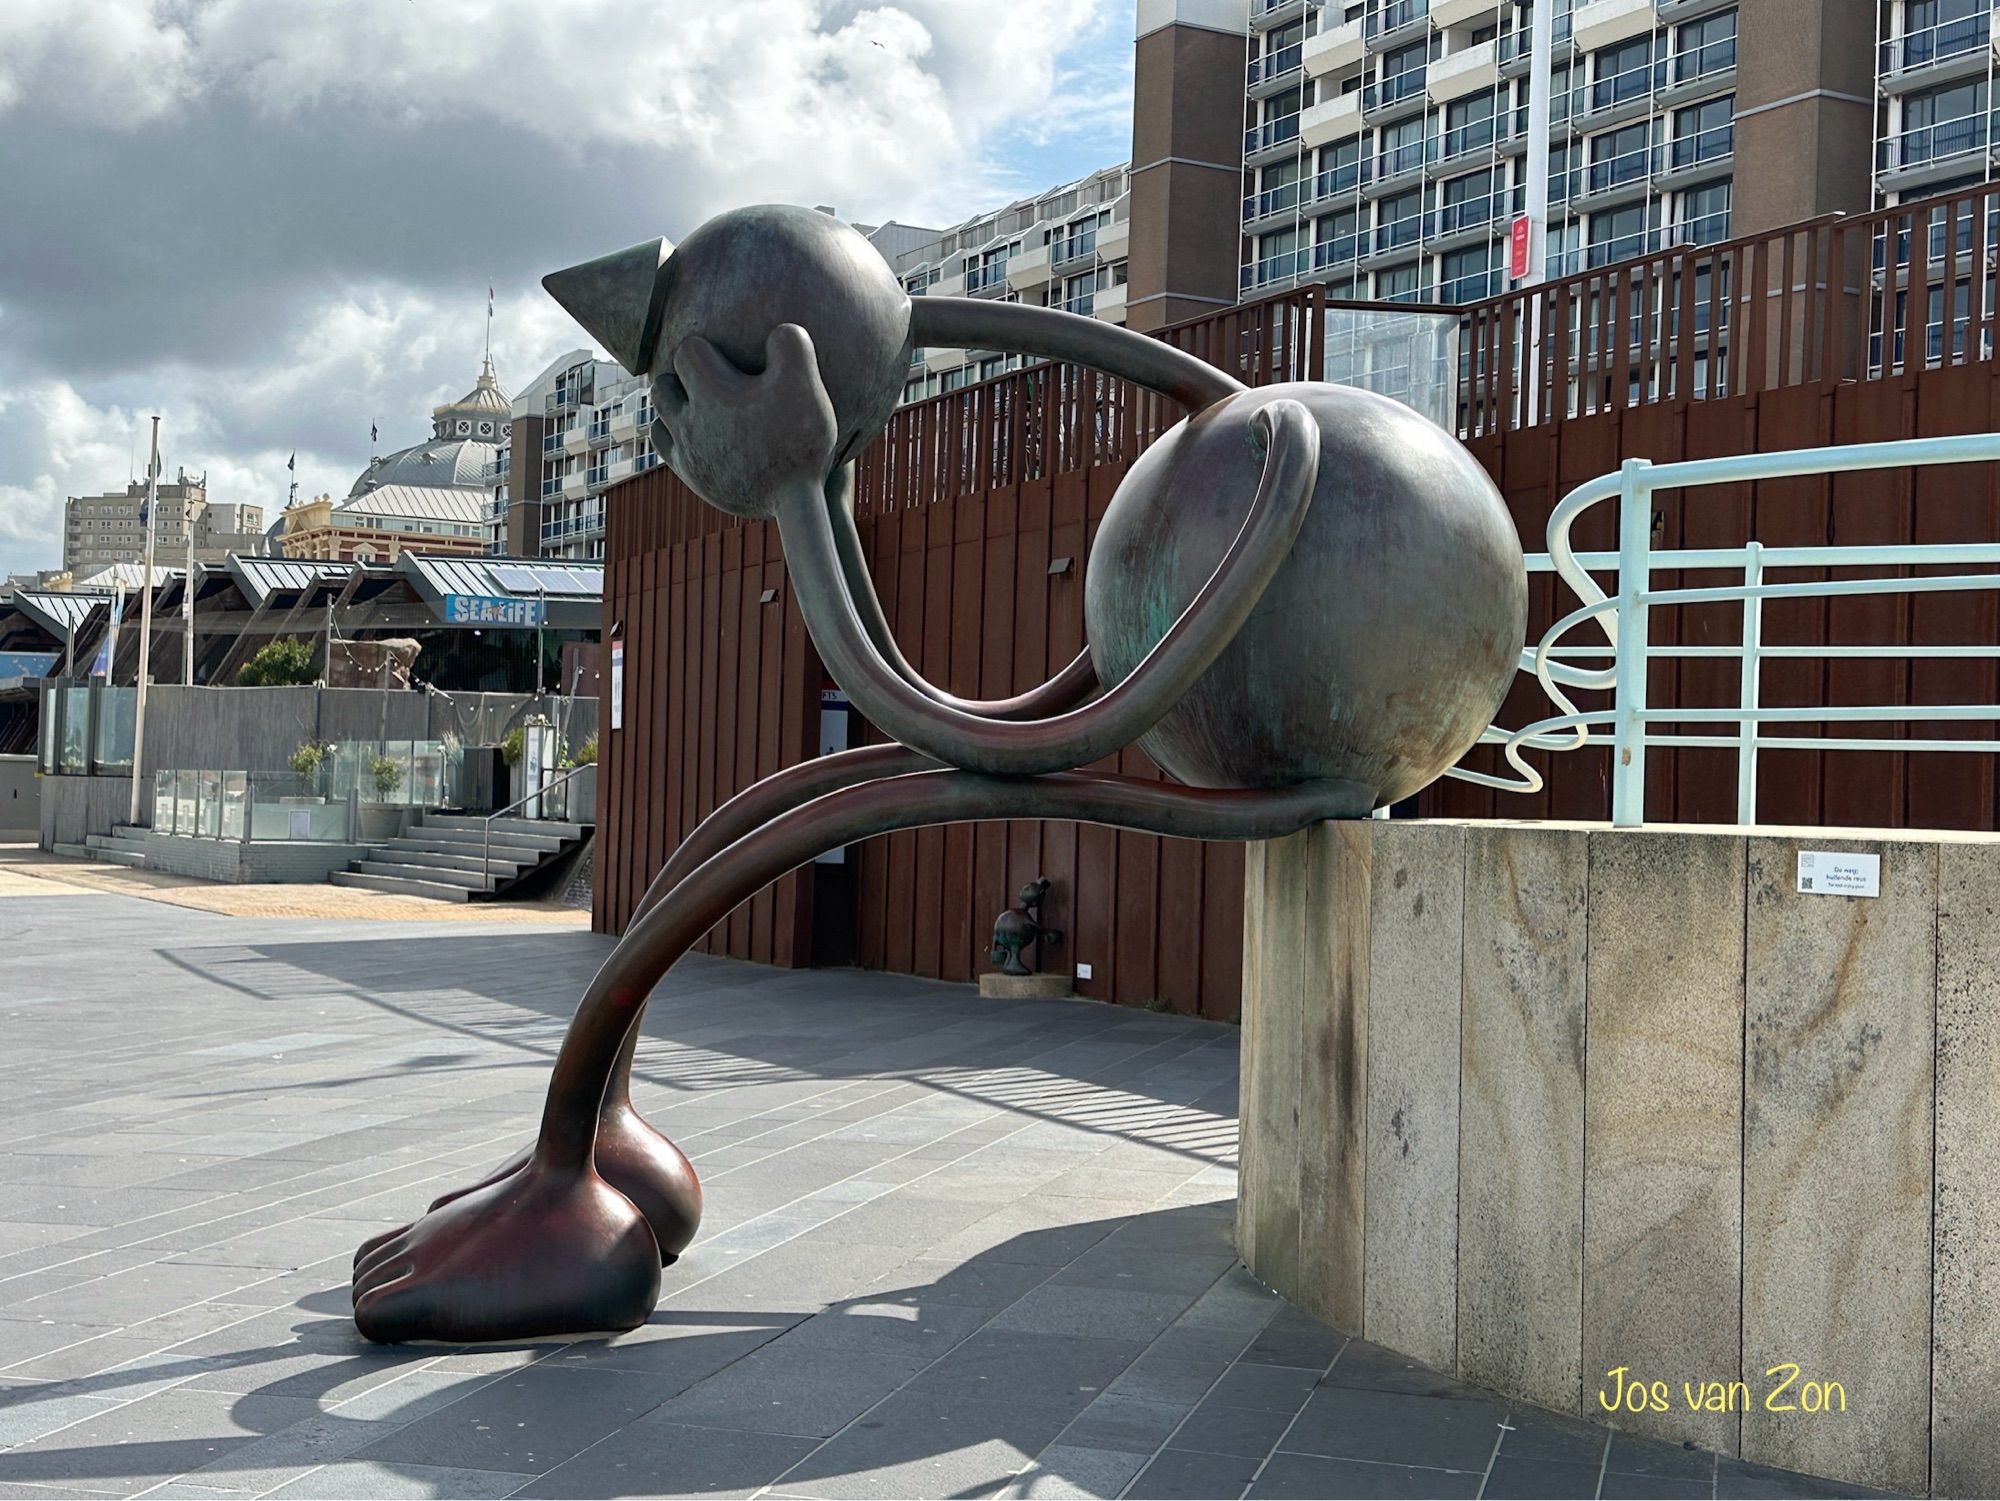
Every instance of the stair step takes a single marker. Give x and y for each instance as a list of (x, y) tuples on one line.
[(130, 833), (75, 851), (545, 844), (471, 880), (399, 886), (539, 826), (410, 852), (115, 855)]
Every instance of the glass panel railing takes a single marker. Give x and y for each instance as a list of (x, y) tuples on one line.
[(75, 755), (117, 710)]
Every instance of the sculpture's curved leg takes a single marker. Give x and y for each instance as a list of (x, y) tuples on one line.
[(632, 1156), (1065, 690), (553, 1248)]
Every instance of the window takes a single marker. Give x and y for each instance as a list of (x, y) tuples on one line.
[(1703, 213), (1398, 285), (1623, 72), (1469, 124), (1703, 132), (1704, 47), (1620, 156), (1404, 147), (1399, 220), (1472, 273), (1942, 123), (1619, 235)]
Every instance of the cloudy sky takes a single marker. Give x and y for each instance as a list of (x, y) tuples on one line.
[(274, 222)]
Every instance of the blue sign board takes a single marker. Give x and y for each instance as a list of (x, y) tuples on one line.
[(26, 664), (492, 609)]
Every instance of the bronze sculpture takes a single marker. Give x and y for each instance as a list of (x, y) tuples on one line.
[(1019, 926), (1305, 602)]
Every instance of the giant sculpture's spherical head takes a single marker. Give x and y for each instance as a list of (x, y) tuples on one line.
[(1383, 647), (744, 273)]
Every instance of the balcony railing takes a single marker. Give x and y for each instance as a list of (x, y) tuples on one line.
[(1936, 44), (1472, 288), (1393, 15), (1621, 88), (1397, 233), (1271, 133), (1627, 166), (1936, 143), (1696, 63), (1469, 213), (1081, 247), (1703, 146), (1392, 90), (1272, 201), (1275, 65), (992, 274)]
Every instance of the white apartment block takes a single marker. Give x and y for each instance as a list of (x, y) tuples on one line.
[(1386, 140), (1934, 97), (100, 530), (1064, 249), (581, 427)]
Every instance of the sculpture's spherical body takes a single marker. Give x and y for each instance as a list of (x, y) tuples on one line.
[(744, 273), (1383, 647)]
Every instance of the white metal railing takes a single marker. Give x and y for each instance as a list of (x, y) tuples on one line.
[(1631, 725)]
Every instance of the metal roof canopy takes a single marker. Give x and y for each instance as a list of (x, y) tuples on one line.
[(574, 591), (58, 611)]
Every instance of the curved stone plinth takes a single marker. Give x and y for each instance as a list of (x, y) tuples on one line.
[(1561, 1108)]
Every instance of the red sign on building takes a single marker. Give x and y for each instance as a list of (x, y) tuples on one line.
[(1518, 266)]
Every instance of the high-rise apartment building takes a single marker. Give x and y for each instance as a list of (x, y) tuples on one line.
[(100, 530), (1385, 141), (1935, 75), (1065, 248), (580, 427)]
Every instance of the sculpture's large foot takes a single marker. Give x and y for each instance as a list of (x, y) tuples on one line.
[(541, 1251), (634, 1159)]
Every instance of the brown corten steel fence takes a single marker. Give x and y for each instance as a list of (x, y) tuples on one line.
[(977, 509)]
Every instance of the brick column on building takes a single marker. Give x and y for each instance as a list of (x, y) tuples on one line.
[(1187, 159), (1805, 111), (524, 490)]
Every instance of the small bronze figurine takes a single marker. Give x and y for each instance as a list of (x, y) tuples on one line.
[(1019, 926)]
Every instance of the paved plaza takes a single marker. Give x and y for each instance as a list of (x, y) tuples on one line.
[(953, 1247)]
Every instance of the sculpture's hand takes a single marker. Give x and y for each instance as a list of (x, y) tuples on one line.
[(740, 438)]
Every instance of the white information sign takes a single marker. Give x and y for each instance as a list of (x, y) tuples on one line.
[(1827, 873), (618, 685)]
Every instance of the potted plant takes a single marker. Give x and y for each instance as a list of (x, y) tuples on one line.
[(382, 819), (308, 763)]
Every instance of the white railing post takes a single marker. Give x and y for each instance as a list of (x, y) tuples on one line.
[(1635, 570), (1753, 658)]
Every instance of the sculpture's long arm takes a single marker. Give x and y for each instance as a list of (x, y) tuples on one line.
[(1051, 334), (1065, 690), (706, 895), (1123, 713)]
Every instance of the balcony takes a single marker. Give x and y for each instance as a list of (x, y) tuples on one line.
[(987, 278), (1114, 240), (1272, 203), (1111, 304), (940, 360), (1700, 151), (1392, 168), (1933, 152), (1282, 269), (1265, 14), (625, 421), (1275, 69), (1470, 218), (1338, 47), (1464, 12), (1394, 22), (1698, 70), (1465, 72), (1335, 119), (1937, 54), (1399, 94), (1627, 93), (576, 440), (1619, 176), (1604, 23), (1398, 234), (1474, 288), (949, 286), (1077, 250), (1272, 139), (1028, 269)]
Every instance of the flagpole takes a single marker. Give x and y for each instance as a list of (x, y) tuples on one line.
[(145, 623)]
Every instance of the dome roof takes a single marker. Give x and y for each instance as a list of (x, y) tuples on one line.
[(465, 441), (442, 463)]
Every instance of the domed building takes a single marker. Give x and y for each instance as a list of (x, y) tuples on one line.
[(432, 497)]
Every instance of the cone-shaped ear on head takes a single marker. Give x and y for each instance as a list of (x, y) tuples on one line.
[(619, 299)]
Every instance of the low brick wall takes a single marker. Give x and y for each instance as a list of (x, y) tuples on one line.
[(272, 863), (1563, 1109)]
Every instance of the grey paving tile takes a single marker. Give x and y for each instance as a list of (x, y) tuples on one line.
[(1736, 1479), (527, 1422), (135, 1445), (1175, 1473), (1218, 1428), (1535, 1435), (982, 1283), (1397, 1428), (1310, 1477), (1630, 1455), (1372, 1368), (399, 1482), (1128, 1424), (1295, 1338), (928, 1443), (1095, 1312), (1273, 1387), (1052, 1370), (1513, 1477), (809, 1393), (1616, 1487), (1070, 1470), (656, 1457)]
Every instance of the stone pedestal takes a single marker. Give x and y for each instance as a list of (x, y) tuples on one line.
[(1001, 987), (1538, 1104)]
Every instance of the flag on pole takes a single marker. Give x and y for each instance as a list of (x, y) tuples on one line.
[(489, 302), (374, 433), (293, 462)]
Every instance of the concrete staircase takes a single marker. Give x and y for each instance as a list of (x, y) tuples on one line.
[(124, 845), (447, 857)]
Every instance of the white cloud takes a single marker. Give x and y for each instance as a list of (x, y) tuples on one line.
[(275, 221)]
